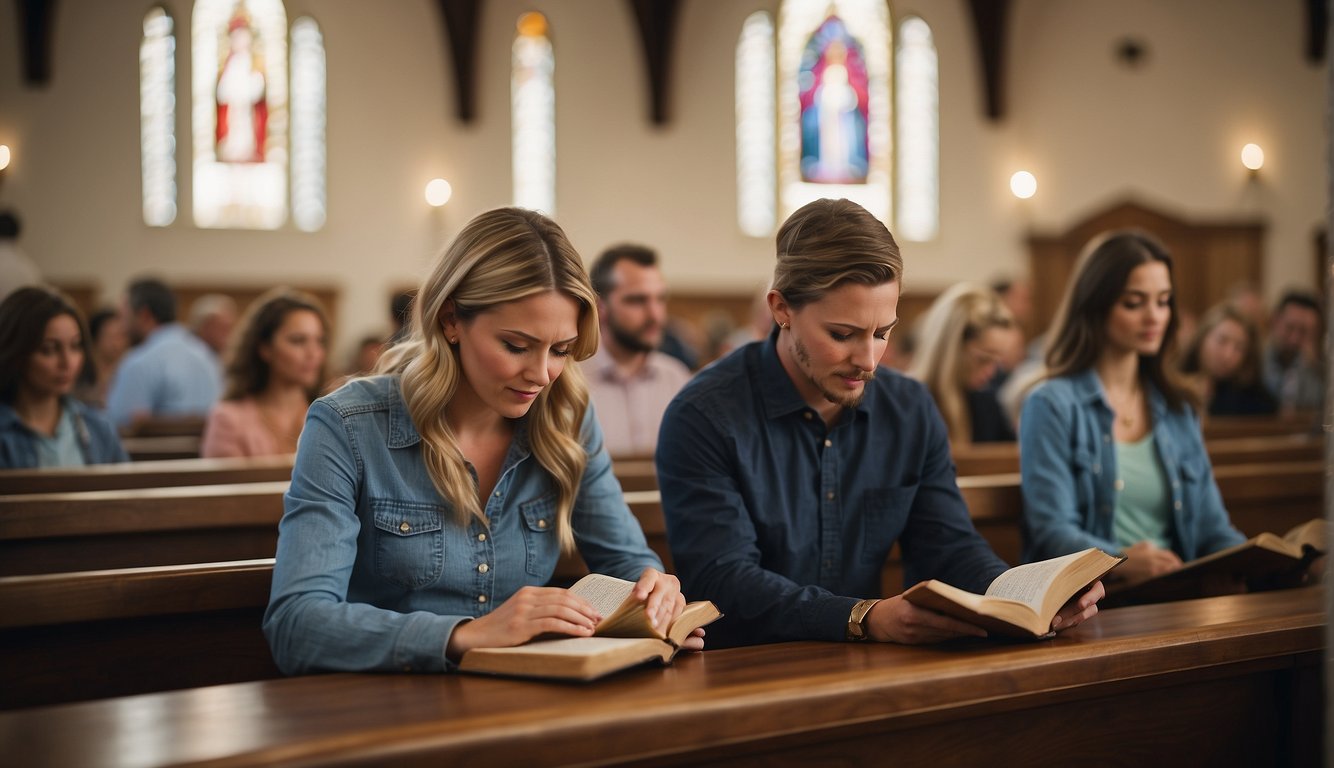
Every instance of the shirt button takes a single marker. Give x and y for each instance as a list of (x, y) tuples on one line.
[(1176, 505), (404, 527), (483, 568), (497, 494), (830, 496), (807, 416), (481, 598), (1107, 438), (1120, 484), (542, 524), (828, 443), (481, 537), (1097, 469)]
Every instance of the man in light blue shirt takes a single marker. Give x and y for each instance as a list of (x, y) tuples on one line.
[(169, 372)]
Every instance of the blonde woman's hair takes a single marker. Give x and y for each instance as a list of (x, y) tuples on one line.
[(959, 315), (501, 256)]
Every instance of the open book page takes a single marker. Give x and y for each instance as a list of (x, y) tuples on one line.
[(1311, 533), (605, 593), (1030, 583), (569, 646)]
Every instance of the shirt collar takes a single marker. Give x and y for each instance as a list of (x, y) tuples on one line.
[(403, 433), (1089, 388)]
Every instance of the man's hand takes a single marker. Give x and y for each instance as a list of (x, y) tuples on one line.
[(895, 620)]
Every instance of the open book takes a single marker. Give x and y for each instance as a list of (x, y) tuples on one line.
[(624, 638), (1022, 601), (1261, 563)]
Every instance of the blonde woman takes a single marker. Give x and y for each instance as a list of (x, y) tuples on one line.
[(961, 342), (274, 370), (429, 504)]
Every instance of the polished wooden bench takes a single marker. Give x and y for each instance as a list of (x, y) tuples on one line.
[(1302, 423), (87, 530), (1224, 681), (92, 634), (163, 448), (147, 474)]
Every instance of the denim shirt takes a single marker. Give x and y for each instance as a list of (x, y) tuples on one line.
[(785, 524), (1068, 470), (374, 571), (97, 438)]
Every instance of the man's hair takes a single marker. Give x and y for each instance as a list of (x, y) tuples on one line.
[(601, 273), (156, 296), (1302, 299), (826, 243)]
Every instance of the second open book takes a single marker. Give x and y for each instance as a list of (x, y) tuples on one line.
[(624, 638), (1022, 601)]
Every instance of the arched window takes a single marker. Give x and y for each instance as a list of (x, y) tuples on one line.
[(834, 117), (755, 151), (533, 112), (157, 117), (918, 111), (309, 207), (833, 103)]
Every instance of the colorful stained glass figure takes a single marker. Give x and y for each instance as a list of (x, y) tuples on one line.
[(833, 90)]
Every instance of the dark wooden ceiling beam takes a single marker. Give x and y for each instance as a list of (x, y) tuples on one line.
[(462, 20), (36, 32), (989, 22), (1317, 30), (656, 20)]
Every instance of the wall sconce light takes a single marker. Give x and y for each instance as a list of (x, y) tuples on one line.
[(1253, 157), (1023, 184), (438, 192), (4, 161)]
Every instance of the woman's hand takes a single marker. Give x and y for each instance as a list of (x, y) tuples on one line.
[(532, 611), (661, 594), (1144, 560)]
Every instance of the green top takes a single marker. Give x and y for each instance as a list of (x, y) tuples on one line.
[(1143, 503)]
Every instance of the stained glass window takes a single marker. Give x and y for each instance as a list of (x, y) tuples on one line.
[(918, 115), (833, 103), (755, 151), (240, 113), (533, 112), (157, 118), (308, 102)]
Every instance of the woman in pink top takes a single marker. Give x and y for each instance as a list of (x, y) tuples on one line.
[(274, 369)]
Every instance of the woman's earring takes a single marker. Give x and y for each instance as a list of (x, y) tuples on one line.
[(784, 326)]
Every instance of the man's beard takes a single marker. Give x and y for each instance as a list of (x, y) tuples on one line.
[(844, 399), (629, 339)]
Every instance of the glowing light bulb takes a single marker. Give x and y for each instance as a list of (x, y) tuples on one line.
[(1023, 184), (4, 157), (1253, 157), (438, 192)]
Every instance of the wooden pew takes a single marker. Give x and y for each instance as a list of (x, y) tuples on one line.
[(87, 530), (1224, 681), (1003, 458), (1305, 423), (93, 634), (147, 474), (636, 474), (161, 448), (1272, 497)]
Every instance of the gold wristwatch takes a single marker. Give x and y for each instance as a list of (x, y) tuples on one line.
[(857, 629)]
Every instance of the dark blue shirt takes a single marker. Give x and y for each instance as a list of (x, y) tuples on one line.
[(785, 524)]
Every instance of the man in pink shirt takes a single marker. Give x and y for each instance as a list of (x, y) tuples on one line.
[(630, 381)]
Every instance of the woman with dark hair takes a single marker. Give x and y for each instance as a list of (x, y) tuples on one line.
[(44, 352), (275, 367), (1223, 358), (108, 341), (1110, 449)]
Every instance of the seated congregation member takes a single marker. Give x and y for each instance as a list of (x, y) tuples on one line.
[(1223, 361), (1294, 368), (109, 341), (790, 467), (1110, 449), (629, 380), (962, 340), (275, 367), (428, 506), (44, 351), (169, 372)]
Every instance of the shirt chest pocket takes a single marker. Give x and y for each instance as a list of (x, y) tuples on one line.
[(884, 515), (409, 542), (539, 536)]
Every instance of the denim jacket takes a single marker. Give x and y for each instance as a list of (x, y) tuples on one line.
[(1068, 468), (97, 437), (373, 570)]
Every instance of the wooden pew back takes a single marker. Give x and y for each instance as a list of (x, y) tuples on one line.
[(147, 474), (93, 634)]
